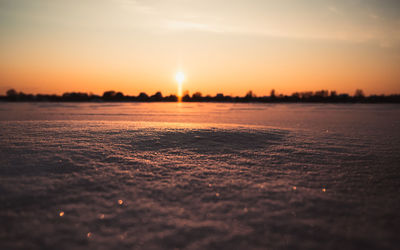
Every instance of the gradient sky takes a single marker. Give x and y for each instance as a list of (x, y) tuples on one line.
[(54, 46)]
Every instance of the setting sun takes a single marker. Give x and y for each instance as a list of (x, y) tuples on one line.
[(180, 77)]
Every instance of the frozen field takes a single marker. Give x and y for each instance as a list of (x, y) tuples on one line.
[(199, 176)]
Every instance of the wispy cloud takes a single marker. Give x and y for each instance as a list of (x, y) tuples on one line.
[(180, 25), (137, 6), (352, 27), (334, 9)]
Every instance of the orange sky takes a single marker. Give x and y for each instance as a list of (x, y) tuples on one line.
[(54, 46)]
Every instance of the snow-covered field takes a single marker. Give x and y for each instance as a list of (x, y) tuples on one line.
[(199, 176)]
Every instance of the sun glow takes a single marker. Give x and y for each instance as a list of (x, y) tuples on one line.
[(180, 77)]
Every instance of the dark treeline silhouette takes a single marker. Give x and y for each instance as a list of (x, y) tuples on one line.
[(322, 96)]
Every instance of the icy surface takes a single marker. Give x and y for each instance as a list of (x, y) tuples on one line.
[(199, 176)]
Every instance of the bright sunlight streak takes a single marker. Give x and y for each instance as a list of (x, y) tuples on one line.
[(180, 77)]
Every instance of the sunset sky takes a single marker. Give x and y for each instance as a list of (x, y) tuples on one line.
[(54, 46)]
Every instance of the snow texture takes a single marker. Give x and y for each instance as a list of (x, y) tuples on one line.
[(199, 176)]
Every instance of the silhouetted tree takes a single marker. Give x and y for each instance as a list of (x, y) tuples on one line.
[(109, 95), (318, 96), (272, 94), (249, 96), (186, 97), (306, 95), (156, 97), (11, 93), (322, 93), (75, 97), (343, 97), (171, 98), (25, 97), (143, 97), (359, 93), (119, 96), (197, 96), (219, 97), (295, 96)]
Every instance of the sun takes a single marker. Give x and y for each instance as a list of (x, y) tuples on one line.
[(180, 77)]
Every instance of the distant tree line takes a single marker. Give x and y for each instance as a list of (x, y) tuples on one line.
[(322, 96)]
